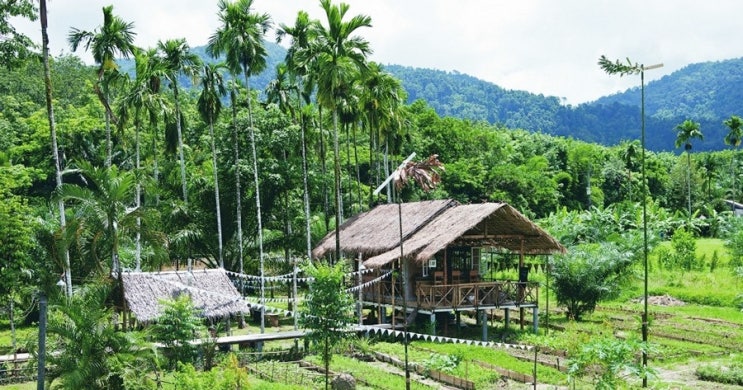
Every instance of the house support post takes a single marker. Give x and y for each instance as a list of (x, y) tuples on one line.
[(535, 319), (459, 319), (521, 318), (433, 323), (506, 318), (482, 317)]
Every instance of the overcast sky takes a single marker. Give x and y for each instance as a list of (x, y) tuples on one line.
[(541, 46)]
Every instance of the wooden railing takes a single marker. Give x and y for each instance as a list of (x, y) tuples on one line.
[(462, 295)]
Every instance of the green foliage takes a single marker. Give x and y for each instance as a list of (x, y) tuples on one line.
[(684, 250), (714, 262), (444, 363), (89, 352), (734, 245), (608, 360), (15, 47), (327, 309), (17, 240), (589, 274), (227, 376), (731, 373), (176, 327)]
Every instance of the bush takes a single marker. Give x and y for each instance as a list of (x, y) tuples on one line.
[(606, 360), (228, 375), (588, 274), (684, 250), (176, 327)]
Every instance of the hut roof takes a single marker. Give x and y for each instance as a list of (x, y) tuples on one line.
[(211, 291), (431, 226), (378, 230)]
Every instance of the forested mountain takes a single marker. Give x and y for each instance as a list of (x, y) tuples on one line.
[(707, 93)]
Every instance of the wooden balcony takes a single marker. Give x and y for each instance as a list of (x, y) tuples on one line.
[(461, 296)]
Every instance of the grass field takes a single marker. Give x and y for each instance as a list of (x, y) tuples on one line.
[(705, 331)]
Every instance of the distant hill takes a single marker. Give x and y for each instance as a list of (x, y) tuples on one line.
[(707, 93)]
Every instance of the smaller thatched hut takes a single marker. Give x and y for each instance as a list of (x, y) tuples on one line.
[(211, 291)]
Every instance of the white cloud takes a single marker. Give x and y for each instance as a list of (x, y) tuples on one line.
[(542, 46)]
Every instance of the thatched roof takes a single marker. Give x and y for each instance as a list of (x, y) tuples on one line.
[(429, 227), (211, 292), (378, 230)]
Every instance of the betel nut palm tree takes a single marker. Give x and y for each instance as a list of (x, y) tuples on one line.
[(178, 59), (210, 106), (340, 57), (115, 38), (240, 39), (734, 138), (53, 134), (685, 133)]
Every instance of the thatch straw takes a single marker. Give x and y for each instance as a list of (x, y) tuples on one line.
[(429, 227), (211, 291), (378, 230)]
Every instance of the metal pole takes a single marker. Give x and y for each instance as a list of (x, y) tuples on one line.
[(644, 229), (42, 342), (404, 265)]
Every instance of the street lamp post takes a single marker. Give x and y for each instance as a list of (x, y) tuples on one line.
[(622, 69), (403, 264)]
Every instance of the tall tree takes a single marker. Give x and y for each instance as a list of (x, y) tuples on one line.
[(341, 55), (114, 38), (179, 60), (382, 100), (234, 87), (14, 46), (53, 133), (297, 64), (685, 133), (142, 96), (733, 138), (210, 106), (240, 38)]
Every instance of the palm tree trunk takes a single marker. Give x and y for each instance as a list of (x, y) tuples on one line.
[(337, 172), (216, 193), (257, 202), (138, 194), (238, 189), (53, 132), (238, 193), (358, 172), (324, 168), (306, 201), (688, 181), (180, 144), (109, 147)]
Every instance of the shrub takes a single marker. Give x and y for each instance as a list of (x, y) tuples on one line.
[(588, 274), (606, 359), (714, 262), (176, 327), (684, 249)]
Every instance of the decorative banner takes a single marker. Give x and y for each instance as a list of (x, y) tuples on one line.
[(441, 339), (281, 278), (369, 283)]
